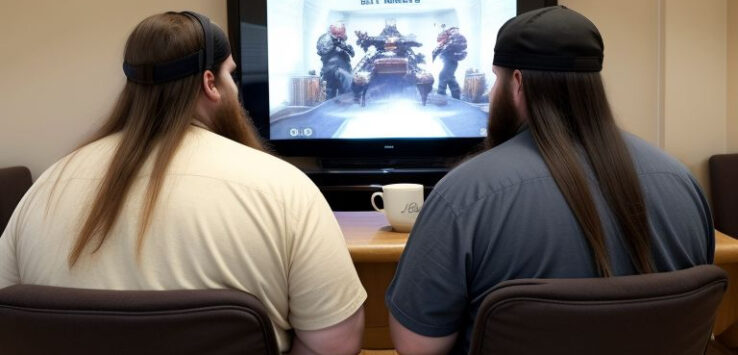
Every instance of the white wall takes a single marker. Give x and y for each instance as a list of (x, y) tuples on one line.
[(666, 63), (696, 71), (61, 70), (732, 99)]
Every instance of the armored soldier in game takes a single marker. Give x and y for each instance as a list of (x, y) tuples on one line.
[(389, 43), (389, 64), (336, 56), (452, 49)]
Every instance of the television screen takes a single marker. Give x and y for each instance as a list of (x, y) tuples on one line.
[(378, 69)]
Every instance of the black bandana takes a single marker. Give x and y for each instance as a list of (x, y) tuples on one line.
[(216, 50)]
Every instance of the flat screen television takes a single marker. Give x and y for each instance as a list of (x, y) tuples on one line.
[(371, 91)]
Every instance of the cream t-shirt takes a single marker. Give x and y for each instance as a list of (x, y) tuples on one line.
[(228, 216)]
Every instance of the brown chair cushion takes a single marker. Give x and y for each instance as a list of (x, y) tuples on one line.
[(662, 313), (724, 191), (14, 182), (51, 320)]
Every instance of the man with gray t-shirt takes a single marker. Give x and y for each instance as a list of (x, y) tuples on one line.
[(561, 193)]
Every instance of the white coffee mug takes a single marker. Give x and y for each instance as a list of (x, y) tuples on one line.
[(402, 203)]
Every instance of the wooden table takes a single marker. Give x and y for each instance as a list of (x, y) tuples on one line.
[(376, 249), (726, 322)]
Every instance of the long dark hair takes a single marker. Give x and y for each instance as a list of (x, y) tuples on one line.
[(149, 117), (569, 113)]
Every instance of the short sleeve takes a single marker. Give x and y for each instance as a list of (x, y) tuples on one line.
[(9, 273), (429, 292), (324, 288), (706, 219)]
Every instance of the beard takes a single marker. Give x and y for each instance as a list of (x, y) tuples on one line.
[(503, 122), (230, 120)]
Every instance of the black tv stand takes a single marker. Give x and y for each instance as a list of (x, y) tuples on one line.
[(347, 184)]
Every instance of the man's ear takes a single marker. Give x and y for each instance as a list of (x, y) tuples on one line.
[(517, 85), (208, 86), (517, 82), (518, 95)]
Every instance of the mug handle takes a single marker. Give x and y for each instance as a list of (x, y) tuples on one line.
[(374, 195)]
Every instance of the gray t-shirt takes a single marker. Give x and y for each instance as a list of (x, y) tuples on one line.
[(501, 216)]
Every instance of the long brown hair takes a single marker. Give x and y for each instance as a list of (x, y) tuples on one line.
[(568, 114), (149, 117)]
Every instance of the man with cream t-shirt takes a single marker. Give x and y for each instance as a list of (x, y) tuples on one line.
[(227, 215)]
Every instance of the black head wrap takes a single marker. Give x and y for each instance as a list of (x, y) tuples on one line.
[(550, 39), (216, 50)]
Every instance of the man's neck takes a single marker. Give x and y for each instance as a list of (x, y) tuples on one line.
[(197, 122)]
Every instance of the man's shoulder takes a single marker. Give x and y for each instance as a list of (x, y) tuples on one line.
[(89, 162), (509, 164), (649, 160), (206, 154), (518, 161)]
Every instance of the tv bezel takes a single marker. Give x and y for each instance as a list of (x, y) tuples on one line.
[(256, 100)]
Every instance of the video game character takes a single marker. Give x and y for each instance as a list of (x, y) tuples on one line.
[(452, 49), (390, 66), (336, 56)]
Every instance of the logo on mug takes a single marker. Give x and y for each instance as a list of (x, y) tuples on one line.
[(411, 208)]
